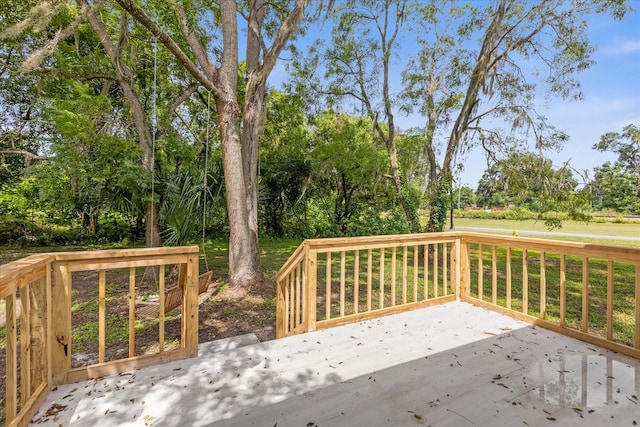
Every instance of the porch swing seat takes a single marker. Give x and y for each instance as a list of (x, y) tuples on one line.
[(172, 298)]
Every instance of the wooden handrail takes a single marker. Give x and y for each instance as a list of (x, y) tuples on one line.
[(402, 276), (39, 351), (423, 275)]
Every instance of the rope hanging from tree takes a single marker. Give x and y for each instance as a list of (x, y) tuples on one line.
[(154, 124), (205, 180)]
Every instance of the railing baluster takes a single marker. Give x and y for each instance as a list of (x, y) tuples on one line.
[(610, 300), (298, 273), (342, 281), (494, 275), (585, 294), (369, 277), (303, 292), (435, 270), (382, 278), (404, 274), (356, 281), (287, 306), (445, 269), (508, 266), (161, 316), (543, 285), (102, 318), (328, 290), (637, 328), (480, 273), (425, 262), (563, 290), (415, 273), (393, 275), (11, 368), (25, 345), (525, 282), (132, 311), (292, 294)]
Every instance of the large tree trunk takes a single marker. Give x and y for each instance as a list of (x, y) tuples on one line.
[(390, 141), (253, 118), (244, 256)]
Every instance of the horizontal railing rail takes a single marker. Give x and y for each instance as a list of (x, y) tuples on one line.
[(587, 291), (41, 306)]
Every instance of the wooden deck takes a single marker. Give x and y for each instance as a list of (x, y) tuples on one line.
[(447, 365)]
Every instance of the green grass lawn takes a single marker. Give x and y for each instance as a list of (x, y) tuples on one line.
[(628, 229)]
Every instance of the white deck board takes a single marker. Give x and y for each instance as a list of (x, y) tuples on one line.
[(448, 365)]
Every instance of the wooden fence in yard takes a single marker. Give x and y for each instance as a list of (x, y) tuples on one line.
[(38, 294), (587, 291)]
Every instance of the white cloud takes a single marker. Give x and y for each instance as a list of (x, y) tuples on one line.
[(623, 47)]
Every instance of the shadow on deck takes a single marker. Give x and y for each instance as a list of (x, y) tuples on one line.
[(452, 364)]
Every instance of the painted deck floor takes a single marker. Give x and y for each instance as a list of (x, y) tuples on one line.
[(447, 365)]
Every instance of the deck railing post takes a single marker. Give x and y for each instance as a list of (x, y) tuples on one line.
[(38, 323), (60, 336), (457, 267), (310, 285), (190, 317), (465, 268), (281, 313)]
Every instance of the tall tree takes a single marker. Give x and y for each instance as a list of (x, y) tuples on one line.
[(529, 180), (617, 186), (358, 69), (499, 87), (22, 134), (468, 92), (627, 146), (88, 61), (239, 119)]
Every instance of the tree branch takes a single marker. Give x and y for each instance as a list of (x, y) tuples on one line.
[(186, 93), (26, 154), (97, 76), (196, 44), (139, 15), (286, 30)]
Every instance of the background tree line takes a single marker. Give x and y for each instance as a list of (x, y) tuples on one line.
[(128, 121)]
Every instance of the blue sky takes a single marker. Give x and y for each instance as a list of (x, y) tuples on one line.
[(611, 89)]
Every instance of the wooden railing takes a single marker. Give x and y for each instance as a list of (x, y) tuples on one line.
[(39, 305), (328, 282), (587, 291)]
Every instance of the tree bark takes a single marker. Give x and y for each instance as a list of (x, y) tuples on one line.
[(244, 259)]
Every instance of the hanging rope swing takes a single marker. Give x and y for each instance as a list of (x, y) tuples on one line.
[(154, 126), (173, 297), (205, 180)]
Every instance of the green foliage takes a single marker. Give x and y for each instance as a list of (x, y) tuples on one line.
[(346, 170), (285, 167), (464, 197), (438, 202), (616, 189), (530, 181), (617, 186)]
